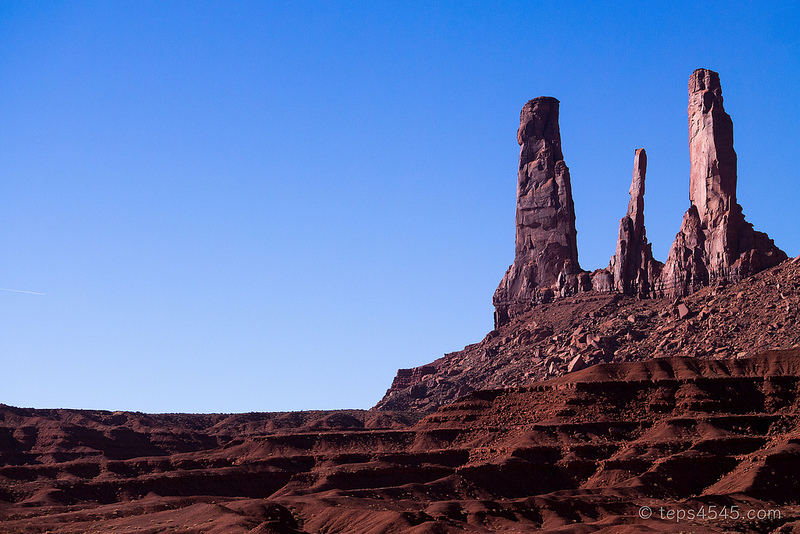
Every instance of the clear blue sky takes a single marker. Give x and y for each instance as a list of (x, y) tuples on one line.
[(257, 206)]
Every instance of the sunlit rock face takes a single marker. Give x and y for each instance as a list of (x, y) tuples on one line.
[(714, 242), (546, 252)]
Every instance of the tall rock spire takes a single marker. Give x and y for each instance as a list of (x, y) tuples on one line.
[(632, 265), (714, 242), (546, 252), (712, 179)]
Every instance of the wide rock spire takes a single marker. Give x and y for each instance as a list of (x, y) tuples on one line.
[(546, 252), (714, 242)]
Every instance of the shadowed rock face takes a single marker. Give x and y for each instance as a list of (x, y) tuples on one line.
[(714, 242), (546, 253)]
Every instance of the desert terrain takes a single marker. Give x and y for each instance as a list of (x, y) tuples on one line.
[(639, 397), (673, 444)]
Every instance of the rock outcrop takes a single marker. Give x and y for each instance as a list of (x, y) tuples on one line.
[(714, 242), (602, 316), (546, 252), (632, 266), (586, 452)]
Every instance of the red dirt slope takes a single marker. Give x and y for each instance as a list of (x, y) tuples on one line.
[(715, 440), (724, 321)]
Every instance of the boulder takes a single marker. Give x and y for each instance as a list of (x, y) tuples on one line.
[(576, 364)]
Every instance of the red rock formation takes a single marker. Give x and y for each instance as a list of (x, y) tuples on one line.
[(546, 254), (715, 245), (714, 242), (633, 266), (580, 453)]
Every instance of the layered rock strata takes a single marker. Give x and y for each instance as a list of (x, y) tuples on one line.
[(546, 253), (581, 453), (714, 242)]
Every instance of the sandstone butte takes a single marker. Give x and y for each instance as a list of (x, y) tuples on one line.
[(714, 241), (714, 246), (640, 397)]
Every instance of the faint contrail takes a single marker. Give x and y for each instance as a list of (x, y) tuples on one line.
[(21, 291)]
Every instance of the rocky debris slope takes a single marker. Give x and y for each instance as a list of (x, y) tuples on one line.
[(714, 241), (724, 320), (580, 453)]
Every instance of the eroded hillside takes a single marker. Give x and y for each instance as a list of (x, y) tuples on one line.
[(585, 452)]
